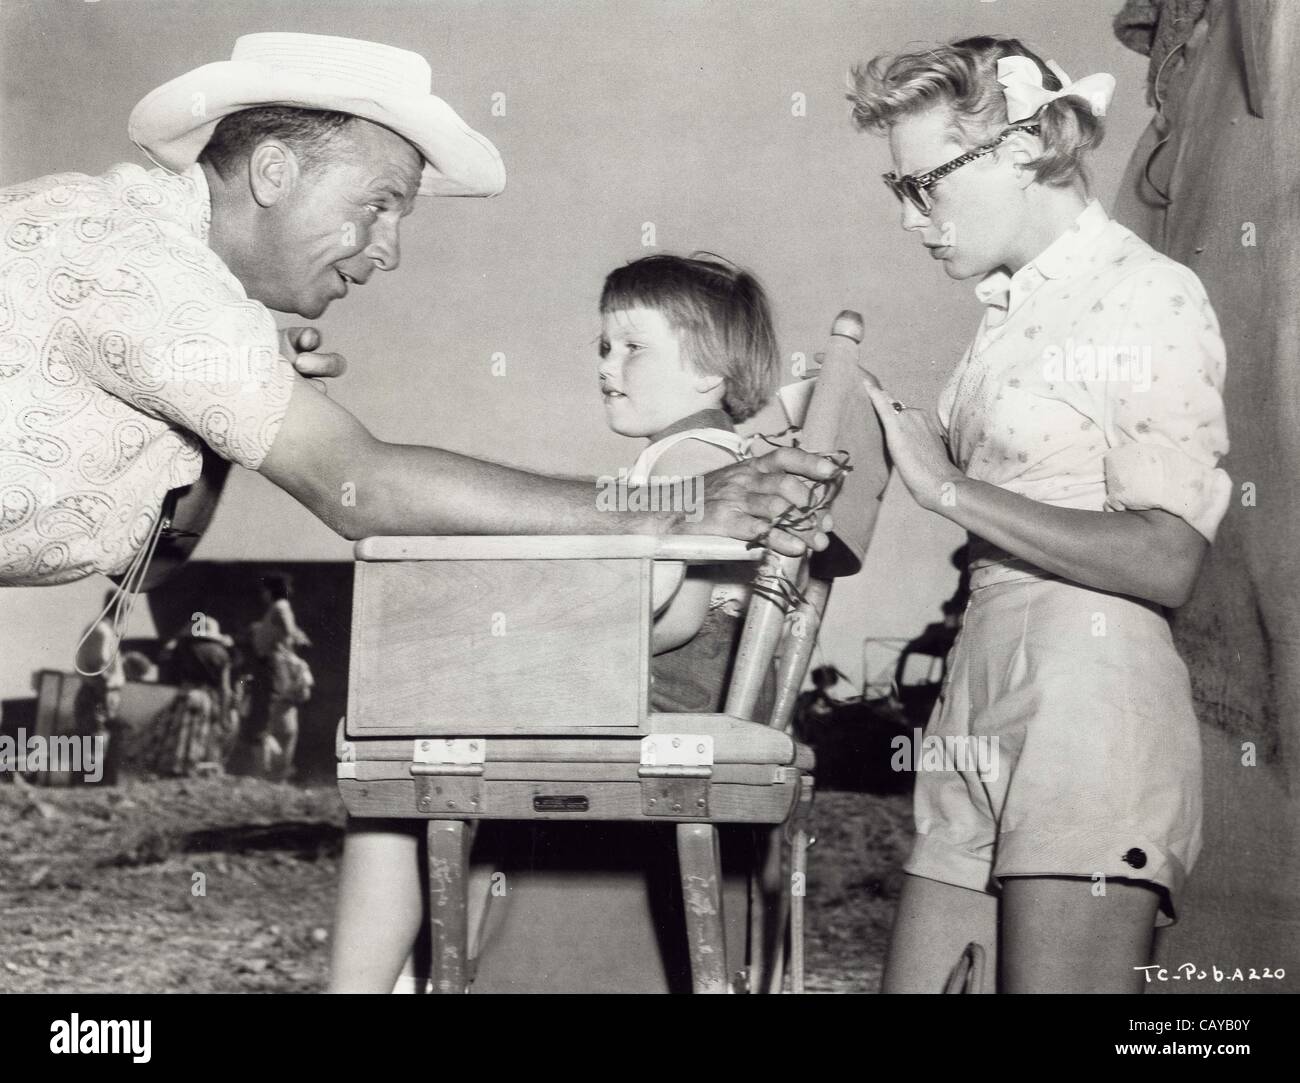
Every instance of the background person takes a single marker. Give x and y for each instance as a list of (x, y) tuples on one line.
[(283, 675), (98, 702), (195, 731)]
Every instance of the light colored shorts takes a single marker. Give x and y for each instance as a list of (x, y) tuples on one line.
[(1087, 758)]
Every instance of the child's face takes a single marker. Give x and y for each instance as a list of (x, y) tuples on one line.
[(645, 381)]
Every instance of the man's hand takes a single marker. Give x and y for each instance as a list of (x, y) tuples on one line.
[(742, 500), (300, 345)]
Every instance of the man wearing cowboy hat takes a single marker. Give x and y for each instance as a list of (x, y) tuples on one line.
[(138, 356)]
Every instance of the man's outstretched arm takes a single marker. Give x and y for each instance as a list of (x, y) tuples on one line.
[(361, 486)]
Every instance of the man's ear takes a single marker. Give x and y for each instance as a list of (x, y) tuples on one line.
[(273, 172)]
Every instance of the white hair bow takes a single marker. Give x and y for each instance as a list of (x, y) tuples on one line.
[(1022, 82)]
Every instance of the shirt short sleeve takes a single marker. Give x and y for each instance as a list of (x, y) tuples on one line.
[(1163, 400), (173, 334)]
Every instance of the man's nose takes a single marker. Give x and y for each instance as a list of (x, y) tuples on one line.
[(385, 247)]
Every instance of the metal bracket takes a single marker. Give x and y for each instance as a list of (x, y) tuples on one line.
[(460, 751), (676, 796), (677, 750), (675, 772), (448, 775)]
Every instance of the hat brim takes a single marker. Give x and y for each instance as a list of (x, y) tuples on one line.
[(174, 123)]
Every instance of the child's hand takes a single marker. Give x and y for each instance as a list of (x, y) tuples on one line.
[(742, 500)]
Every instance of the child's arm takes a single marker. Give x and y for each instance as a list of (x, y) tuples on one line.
[(681, 619)]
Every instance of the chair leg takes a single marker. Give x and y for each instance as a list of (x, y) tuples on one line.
[(779, 884), (700, 866), (758, 954), (448, 848), (767, 918), (479, 890), (798, 889)]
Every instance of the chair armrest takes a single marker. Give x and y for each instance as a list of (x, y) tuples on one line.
[(690, 548)]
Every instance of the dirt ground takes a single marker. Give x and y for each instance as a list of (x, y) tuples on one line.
[(227, 885)]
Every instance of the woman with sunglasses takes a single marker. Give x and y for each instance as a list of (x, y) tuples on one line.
[(1077, 441)]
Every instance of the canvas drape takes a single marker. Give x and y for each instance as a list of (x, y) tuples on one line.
[(1215, 184)]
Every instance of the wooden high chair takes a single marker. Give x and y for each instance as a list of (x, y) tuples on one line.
[(508, 678)]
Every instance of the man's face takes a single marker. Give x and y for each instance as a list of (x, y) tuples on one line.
[(339, 223)]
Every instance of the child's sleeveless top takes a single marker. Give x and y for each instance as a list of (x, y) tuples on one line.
[(732, 596)]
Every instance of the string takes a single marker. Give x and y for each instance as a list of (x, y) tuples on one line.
[(123, 601), (774, 585)]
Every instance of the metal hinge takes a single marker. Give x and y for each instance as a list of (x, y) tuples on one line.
[(448, 774), (675, 772)]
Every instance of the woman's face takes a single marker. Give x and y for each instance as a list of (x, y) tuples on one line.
[(645, 382), (974, 210)]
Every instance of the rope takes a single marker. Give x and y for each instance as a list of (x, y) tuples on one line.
[(774, 585), (123, 601)]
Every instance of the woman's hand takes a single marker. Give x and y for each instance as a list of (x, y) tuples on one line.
[(918, 448)]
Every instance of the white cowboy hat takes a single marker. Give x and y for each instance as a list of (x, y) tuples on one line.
[(377, 82)]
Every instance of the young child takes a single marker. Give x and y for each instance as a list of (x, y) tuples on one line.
[(687, 351)]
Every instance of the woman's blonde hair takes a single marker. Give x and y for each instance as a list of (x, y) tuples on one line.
[(963, 77)]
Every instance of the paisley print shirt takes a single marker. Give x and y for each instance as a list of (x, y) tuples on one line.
[(125, 345)]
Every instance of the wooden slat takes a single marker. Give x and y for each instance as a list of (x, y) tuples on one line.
[(448, 852), (797, 646), (799, 873), (607, 801), (739, 774), (841, 418), (700, 868), (758, 641), (506, 547), (692, 548), (705, 549), (734, 741), (441, 646)]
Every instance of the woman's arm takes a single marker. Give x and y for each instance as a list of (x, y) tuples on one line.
[(1147, 554), (1150, 554)]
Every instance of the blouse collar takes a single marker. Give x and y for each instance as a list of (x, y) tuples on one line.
[(1057, 260)]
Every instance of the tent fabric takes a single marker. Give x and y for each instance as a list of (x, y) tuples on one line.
[(1215, 184)]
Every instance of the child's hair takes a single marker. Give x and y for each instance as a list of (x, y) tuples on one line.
[(721, 314), (963, 76)]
